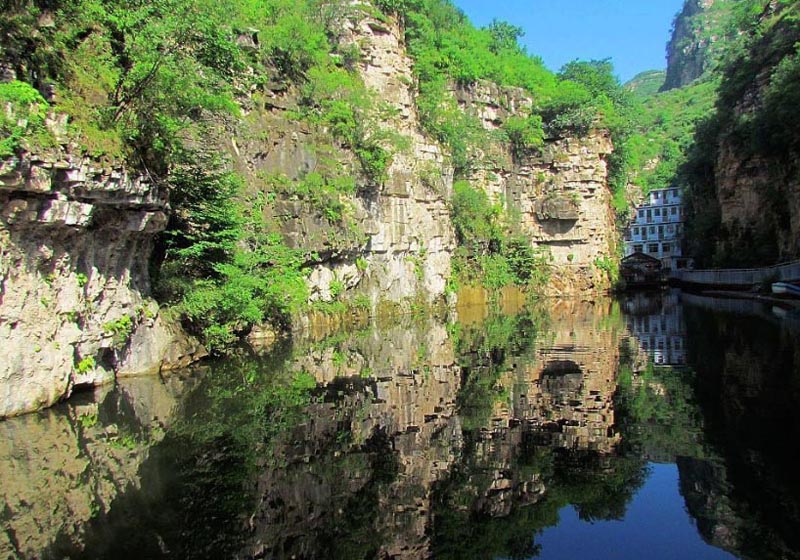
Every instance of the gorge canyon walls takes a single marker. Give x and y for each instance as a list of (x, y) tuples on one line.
[(77, 234)]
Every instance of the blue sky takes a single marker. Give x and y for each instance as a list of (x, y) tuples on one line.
[(633, 33)]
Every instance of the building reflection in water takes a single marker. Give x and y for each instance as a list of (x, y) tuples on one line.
[(656, 321), (418, 438)]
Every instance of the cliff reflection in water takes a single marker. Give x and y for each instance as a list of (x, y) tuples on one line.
[(422, 438), (62, 467), (747, 361), (726, 420)]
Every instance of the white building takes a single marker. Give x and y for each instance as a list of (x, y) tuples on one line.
[(657, 228)]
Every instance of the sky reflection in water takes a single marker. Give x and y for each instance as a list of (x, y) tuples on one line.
[(656, 527)]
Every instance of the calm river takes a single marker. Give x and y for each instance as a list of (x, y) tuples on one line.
[(656, 427)]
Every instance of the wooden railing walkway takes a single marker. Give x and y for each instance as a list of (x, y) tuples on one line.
[(744, 277)]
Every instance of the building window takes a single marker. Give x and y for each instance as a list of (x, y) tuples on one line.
[(661, 231), (653, 229), (635, 231), (670, 229), (666, 248), (652, 248), (658, 212), (673, 211), (637, 248), (655, 195)]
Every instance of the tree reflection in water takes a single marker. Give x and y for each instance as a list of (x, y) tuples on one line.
[(421, 438)]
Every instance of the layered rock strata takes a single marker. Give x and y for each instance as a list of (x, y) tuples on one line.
[(76, 239), (560, 193)]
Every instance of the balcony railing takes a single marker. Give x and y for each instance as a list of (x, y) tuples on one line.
[(741, 276)]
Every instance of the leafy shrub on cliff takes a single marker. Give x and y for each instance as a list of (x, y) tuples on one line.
[(206, 224), (262, 281), (22, 114), (223, 270), (490, 253), (525, 134), (337, 99), (665, 131)]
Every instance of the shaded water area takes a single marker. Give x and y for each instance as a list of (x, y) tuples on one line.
[(658, 426)]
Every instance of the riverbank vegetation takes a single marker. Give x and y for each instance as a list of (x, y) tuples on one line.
[(150, 83)]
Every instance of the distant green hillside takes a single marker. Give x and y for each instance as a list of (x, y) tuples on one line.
[(646, 83), (664, 132)]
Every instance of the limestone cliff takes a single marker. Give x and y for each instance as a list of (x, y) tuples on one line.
[(78, 236), (697, 41), (560, 194), (75, 242), (394, 239), (744, 186), (397, 238)]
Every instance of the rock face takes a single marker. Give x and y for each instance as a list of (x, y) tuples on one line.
[(560, 194), (692, 49), (75, 244), (416, 237), (759, 201), (396, 238), (76, 237), (758, 194)]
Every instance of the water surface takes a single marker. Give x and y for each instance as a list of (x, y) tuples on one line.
[(658, 426)]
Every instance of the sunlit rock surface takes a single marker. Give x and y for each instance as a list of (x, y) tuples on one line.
[(76, 240)]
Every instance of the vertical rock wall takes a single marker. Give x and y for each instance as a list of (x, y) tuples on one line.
[(412, 250), (405, 234), (561, 194), (75, 244), (758, 194), (396, 240)]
